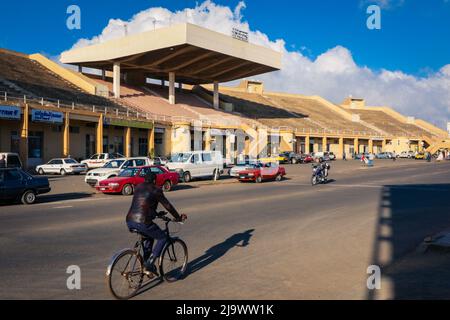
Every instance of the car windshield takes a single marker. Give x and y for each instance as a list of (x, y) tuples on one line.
[(70, 161), (114, 164), (180, 157), (130, 172)]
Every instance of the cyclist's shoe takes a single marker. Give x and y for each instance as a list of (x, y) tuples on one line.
[(150, 268)]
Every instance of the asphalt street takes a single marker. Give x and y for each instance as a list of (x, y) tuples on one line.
[(276, 240)]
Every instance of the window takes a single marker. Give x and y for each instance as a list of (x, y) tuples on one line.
[(70, 161), (35, 144), (13, 175), (143, 146), (58, 162), (52, 162), (94, 157), (207, 157), (128, 164), (139, 162), (102, 156), (156, 170), (13, 162), (114, 164)]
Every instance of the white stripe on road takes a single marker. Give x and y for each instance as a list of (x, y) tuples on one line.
[(63, 207)]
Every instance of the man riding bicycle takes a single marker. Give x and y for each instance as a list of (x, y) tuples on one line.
[(140, 217)]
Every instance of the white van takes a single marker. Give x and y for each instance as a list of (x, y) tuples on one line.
[(197, 164)]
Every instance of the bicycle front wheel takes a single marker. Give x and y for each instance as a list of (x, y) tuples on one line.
[(125, 275), (174, 261)]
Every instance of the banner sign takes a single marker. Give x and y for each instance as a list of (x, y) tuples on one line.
[(47, 116), (10, 113)]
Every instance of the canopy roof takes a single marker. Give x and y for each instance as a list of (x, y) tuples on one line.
[(196, 55)]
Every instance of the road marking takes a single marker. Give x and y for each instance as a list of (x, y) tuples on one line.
[(63, 207)]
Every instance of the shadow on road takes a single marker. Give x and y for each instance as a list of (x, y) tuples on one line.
[(408, 214), (63, 196), (211, 255)]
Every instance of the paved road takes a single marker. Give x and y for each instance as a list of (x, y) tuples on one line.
[(283, 240)]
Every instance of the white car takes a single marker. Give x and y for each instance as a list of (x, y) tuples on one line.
[(100, 159), (197, 164), (62, 166), (113, 168), (159, 161)]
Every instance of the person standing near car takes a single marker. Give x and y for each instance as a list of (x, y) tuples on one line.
[(2, 161)]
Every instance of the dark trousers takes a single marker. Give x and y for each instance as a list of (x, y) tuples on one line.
[(152, 232)]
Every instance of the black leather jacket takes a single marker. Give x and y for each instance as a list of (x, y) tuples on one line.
[(145, 204)]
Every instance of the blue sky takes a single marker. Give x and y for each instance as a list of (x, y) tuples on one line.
[(414, 35)]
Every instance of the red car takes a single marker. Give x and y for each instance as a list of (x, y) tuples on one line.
[(268, 171), (307, 158), (129, 178)]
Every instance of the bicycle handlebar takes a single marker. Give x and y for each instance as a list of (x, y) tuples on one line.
[(163, 216)]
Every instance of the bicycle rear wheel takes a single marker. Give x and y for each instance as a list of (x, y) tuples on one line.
[(173, 261), (125, 275)]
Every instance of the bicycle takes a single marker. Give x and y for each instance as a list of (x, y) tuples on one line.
[(127, 266)]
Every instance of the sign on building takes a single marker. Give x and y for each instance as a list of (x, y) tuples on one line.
[(240, 35), (10, 113), (46, 116)]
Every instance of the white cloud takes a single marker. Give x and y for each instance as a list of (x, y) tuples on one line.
[(333, 75)]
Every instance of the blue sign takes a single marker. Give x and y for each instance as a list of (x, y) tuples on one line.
[(8, 112), (46, 116)]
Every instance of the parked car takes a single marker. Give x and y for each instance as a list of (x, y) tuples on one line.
[(407, 155), (323, 156), (268, 171), (306, 158), (12, 160), (113, 168), (420, 156), (129, 178), (62, 166), (383, 155), (234, 172), (100, 159), (197, 164), (16, 184), (291, 157)]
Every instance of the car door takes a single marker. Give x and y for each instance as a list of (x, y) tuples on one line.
[(159, 175), (13, 184), (58, 165), (50, 166)]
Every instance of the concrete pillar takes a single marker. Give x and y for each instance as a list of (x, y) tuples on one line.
[(341, 148), (307, 144), (99, 137), (324, 144), (172, 87), (287, 141), (383, 146), (356, 145), (181, 137), (66, 135), (23, 145), (127, 135), (116, 80), (370, 146), (151, 143), (216, 98), (208, 138)]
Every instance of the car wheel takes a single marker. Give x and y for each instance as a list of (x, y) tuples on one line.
[(279, 178), (127, 190), (29, 197), (63, 172), (167, 186), (41, 172), (187, 177), (258, 179)]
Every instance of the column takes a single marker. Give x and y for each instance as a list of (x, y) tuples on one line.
[(127, 134), (287, 141), (307, 144), (172, 87), (116, 80), (216, 99), (66, 136), (370, 146), (341, 148), (99, 138), (356, 145), (324, 144), (208, 140), (151, 143), (181, 137), (383, 146), (24, 136)]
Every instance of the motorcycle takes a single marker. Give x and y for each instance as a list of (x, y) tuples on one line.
[(320, 173)]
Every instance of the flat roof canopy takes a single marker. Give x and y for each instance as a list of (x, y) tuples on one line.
[(196, 55)]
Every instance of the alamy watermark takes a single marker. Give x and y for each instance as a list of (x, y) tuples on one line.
[(74, 280), (73, 21), (374, 19), (374, 279)]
